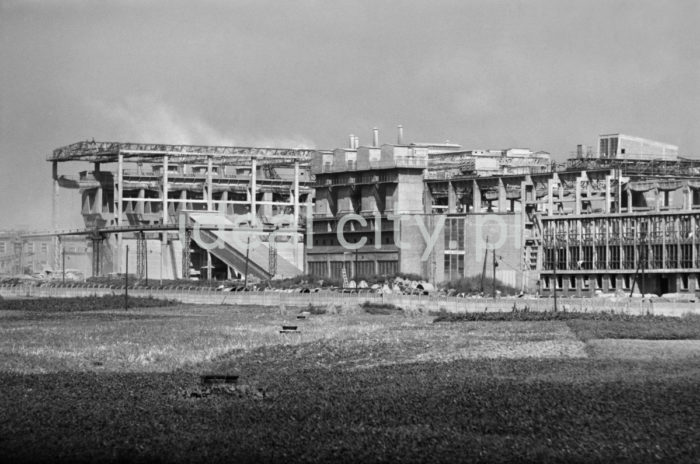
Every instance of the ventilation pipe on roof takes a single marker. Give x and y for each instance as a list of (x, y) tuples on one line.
[(399, 140), (375, 140)]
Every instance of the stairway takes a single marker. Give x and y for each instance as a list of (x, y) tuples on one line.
[(234, 246)]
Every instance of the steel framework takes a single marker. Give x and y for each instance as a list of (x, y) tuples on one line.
[(106, 152)]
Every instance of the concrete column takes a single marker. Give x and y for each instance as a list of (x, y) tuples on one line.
[(98, 200), (140, 204), (502, 200), (183, 200), (451, 198), (550, 196), (54, 203), (618, 194), (476, 196), (608, 200), (687, 198), (369, 200), (166, 189), (577, 205), (345, 200), (54, 217), (210, 186), (118, 193), (296, 194), (253, 186), (267, 209), (295, 237), (629, 199), (657, 203), (223, 208)]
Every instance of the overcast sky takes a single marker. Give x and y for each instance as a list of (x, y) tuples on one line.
[(485, 74)]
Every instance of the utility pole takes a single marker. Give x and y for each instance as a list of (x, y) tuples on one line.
[(494, 273), (247, 254), (556, 263), (483, 270), (356, 273), (126, 281)]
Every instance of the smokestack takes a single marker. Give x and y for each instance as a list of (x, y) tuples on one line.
[(352, 141), (399, 140), (376, 137)]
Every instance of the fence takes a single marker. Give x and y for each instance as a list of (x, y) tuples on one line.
[(423, 303)]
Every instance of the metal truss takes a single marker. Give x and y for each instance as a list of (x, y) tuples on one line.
[(109, 151)]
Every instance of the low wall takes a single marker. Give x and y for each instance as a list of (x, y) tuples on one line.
[(411, 302)]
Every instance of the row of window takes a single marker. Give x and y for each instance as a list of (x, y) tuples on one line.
[(30, 247), (612, 281), (387, 239), (353, 269), (624, 257)]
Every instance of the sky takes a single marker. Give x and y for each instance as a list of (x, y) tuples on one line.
[(491, 74)]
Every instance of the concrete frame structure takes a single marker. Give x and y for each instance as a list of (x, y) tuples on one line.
[(153, 185), (568, 209), (598, 220)]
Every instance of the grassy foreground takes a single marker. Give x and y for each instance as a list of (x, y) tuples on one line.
[(348, 388)]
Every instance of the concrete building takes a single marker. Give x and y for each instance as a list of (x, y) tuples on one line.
[(34, 253), (179, 211), (399, 203), (592, 224), (437, 210), (620, 146)]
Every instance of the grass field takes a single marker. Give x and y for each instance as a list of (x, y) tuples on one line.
[(110, 385)]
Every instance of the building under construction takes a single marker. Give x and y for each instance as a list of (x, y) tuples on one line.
[(161, 209), (602, 221)]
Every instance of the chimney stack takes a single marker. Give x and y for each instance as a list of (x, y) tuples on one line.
[(376, 137), (352, 141), (355, 141), (399, 140)]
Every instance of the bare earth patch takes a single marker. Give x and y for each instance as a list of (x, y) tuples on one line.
[(489, 340), (644, 350)]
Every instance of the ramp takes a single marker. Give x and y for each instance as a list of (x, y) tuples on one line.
[(228, 242)]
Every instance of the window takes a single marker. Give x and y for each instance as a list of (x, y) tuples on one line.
[(388, 267), (586, 282), (318, 269), (613, 282), (545, 282), (572, 282), (454, 266), (626, 282), (559, 282), (599, 281), (684, 282), (44, 248), (30, 247), (454, 234), (3, 247)]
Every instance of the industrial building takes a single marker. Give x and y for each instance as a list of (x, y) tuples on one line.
[(598, 222), (162, 208), (30, 253)]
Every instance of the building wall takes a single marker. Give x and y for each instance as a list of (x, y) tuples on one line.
[(630, 147)]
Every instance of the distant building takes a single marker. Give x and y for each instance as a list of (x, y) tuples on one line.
[(628, 147), (30, 253)]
